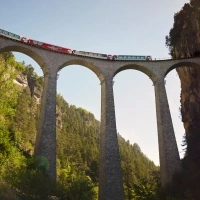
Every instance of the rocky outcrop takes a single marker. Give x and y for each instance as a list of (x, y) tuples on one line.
[(37, 94), (184, 41), (23, 81), (190, 110), (190, 96)]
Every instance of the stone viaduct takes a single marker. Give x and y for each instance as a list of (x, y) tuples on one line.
[(110, 175)]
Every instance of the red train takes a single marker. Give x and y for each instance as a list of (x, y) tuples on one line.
[(47, 46)]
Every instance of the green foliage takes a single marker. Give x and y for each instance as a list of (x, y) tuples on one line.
[(9, 58), (10, 157), (25, 121), (82, 188), (77, 187), (38, 163), (77, 147), (138, 172), (8, 91), (31, 183), (146, 190)]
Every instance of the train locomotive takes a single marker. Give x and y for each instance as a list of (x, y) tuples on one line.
[(70, 51)]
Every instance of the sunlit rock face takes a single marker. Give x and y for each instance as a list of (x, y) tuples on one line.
[(21, 80), (37, 94)]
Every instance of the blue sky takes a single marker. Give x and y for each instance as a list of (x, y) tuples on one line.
[(106, 26)]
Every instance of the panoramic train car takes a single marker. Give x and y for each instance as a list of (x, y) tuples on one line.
[(132, 57), (10, 35), (90, 54), (46, 45)]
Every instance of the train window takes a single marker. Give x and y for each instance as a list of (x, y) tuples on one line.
[(37, 42), (52, 47), (5, 32), (10, 34)]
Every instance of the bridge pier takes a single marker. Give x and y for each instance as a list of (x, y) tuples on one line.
[(168, 150), (46, 135), (110, 174)]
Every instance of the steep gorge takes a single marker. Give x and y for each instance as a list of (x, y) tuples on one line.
[(184, 41)]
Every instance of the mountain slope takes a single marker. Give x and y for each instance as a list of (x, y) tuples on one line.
[(77, 145)]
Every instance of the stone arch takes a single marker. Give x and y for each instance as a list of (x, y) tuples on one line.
[(86, 64), (138, 105), (140, 68), (182, 64), (27, 51)]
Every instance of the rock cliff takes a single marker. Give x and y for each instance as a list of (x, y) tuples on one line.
[(24, 81)]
